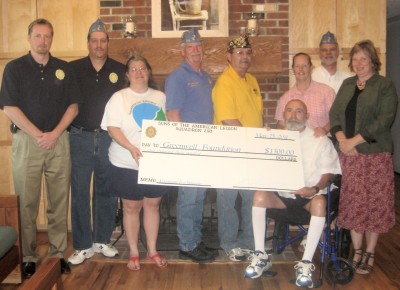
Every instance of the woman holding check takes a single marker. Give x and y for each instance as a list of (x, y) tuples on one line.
[(123, 118)]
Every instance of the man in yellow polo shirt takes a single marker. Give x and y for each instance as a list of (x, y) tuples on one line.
[(237, 102)]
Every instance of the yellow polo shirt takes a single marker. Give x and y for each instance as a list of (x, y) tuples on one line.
[(237, 98)]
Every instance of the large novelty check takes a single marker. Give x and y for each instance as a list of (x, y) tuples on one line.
[(200, 155)]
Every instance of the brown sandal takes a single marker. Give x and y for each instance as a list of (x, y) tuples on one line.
[(365, 268), (356, 263)]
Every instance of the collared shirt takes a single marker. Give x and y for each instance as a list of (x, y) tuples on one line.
[(190, 92), (97, 87), (319, 157), (321, 75), (237, 98), (42, 92), (318, 99)]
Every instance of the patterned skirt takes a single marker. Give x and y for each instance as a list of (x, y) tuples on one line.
[(367, 193)]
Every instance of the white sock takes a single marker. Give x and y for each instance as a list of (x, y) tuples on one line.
[(259, 224), (314, 233)]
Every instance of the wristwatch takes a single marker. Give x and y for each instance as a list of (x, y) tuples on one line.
[(316, 188)]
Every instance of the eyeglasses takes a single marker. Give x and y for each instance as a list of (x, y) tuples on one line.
[(244, 52), (136, 69)]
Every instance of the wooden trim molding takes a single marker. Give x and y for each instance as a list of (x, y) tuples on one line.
[(164, 54)]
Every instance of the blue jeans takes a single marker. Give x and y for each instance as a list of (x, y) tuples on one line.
[(89, 154), (230, 234), (189, 216)]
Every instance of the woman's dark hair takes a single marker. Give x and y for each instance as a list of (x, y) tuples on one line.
[(366, 46), (151, 83)]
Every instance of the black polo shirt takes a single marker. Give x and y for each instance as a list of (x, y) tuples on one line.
[(43, 93), (97, 87)]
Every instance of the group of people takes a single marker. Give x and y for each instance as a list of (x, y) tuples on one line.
[(72, 121), (358, 119)]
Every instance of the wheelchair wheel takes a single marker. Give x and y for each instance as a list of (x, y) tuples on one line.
[(343, 275)]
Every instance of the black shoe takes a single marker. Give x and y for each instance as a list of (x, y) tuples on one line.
[(212, 251), (197, 255), (65, 269), (28, 269)]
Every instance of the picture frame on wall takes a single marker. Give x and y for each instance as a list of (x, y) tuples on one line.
[(170, 18)]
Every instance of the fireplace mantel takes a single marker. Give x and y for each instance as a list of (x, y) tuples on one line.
[(164, 54)]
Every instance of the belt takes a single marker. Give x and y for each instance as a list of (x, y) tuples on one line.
[(97, 130)]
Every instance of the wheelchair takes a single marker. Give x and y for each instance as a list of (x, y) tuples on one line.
[(335, 243)]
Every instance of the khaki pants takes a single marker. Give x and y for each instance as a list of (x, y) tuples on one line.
[(30, 163)]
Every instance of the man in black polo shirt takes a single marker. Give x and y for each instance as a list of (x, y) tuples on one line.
[(40, 95), (99, 77)]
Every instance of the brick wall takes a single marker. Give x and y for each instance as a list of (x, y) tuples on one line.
[(273, 20)]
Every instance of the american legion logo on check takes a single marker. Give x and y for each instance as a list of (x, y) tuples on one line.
[(213, 156)]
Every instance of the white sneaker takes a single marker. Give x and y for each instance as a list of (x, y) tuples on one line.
[(80, 255), (107, 250), (259, 264), (304, 271), (239, 254)]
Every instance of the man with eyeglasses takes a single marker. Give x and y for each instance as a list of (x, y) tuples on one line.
[(237, 102), (188, 90), (99, 77)]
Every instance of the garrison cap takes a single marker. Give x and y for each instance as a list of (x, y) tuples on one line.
[(191, 36)]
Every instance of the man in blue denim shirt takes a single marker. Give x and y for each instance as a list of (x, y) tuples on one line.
[(188, 89), (99, 77)]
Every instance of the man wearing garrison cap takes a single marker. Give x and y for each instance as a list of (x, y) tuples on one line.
[(237, 102), (188, 89), (328, 73), (99, 77)]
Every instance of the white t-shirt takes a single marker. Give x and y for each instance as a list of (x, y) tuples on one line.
[(319, 157), (126, 110), (321, 75)]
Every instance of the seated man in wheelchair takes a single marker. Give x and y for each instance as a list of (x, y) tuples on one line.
[(320, 162)]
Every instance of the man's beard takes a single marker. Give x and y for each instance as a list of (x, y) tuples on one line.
[(294, 125), (329, 61)]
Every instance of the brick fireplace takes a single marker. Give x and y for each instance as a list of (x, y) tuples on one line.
[(273, 23)]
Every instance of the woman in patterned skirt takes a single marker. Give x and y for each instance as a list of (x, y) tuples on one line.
[(360, 118)]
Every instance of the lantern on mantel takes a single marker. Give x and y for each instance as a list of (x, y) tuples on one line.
[(252, 25), (129, 27)]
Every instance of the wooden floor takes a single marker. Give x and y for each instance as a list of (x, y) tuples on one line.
[(102, 273)]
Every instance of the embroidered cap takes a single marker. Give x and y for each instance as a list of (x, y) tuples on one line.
[(97, 26), (241, 42), (328, 38), (191, 36)]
